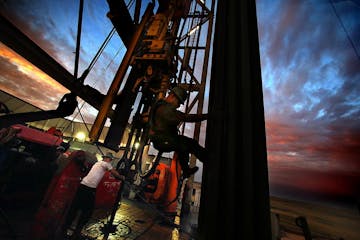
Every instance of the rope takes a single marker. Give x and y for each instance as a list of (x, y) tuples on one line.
[(101, 49), (97, 55), (87, 128), (346, 32)]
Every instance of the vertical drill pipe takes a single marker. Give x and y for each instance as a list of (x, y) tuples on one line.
[(109, 227), (115, 85)]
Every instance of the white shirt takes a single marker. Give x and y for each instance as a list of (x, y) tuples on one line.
[(93, 178)]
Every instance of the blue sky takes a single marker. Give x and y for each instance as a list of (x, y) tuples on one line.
[(311, 74), (310, 70)]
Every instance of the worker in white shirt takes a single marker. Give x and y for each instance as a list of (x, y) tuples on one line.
[(84, 199)]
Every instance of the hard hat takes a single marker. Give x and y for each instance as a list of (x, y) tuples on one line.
[(180, 93), (108, 155)]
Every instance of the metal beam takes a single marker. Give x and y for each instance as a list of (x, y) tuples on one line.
[(67, 106), (122, 21), (108, 101)]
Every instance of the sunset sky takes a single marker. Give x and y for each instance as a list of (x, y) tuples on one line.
[(310, 70)]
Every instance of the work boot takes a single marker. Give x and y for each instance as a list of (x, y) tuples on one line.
[(190, 171)]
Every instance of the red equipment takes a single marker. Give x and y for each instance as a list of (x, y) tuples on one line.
[(36, 136), (106, 192), (58, 198), (165, 184), (61, 191)]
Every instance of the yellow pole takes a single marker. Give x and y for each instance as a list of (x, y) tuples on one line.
[(115, 85)]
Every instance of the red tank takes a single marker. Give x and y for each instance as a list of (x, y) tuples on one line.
[(59, 195)]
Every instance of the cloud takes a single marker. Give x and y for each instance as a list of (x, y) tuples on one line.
[(310, 73), (23, 80)]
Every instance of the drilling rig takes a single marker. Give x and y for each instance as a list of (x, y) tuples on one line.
[(168, 45)]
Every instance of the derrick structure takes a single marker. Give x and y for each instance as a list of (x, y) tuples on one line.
[(236, 55), (169, 47)]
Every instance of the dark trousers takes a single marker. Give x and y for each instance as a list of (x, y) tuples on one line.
[(84, 201), (182, 145)]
